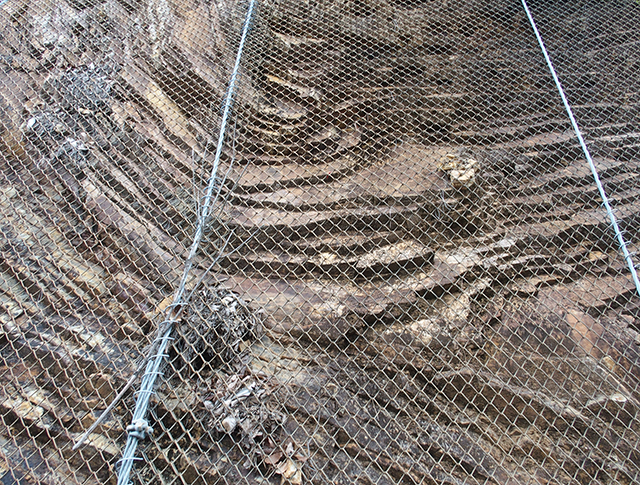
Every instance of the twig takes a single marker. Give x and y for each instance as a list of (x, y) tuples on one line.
[(104, 414)]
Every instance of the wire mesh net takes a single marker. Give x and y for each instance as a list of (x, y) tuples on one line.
[(406, 273)]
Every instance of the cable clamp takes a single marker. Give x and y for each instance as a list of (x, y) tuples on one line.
[(139, 429)]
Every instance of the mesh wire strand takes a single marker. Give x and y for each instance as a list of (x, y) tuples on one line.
[(408, 275)]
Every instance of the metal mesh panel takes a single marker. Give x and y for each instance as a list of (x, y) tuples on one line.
[(407, 274)]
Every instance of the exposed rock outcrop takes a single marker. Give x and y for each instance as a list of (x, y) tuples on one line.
[(442, 296)]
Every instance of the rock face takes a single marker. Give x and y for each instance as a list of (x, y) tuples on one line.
[(403, 199)]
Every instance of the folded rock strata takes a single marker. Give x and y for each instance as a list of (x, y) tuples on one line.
[(421, 329)]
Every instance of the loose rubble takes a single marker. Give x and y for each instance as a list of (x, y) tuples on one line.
[(462, 172)]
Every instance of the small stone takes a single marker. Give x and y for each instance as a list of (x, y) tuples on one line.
[(609, 363), (597, 256), (523, 289), (462, 173), (229, 424)]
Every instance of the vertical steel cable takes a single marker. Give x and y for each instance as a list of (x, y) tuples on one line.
[(139, 427), (594, 170)]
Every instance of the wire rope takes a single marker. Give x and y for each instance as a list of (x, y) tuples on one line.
[(139, 428), (605, 200)]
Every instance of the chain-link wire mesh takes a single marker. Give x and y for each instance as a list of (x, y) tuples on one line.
[(407, 273)]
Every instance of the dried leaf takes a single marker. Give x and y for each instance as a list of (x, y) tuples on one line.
[(296, 478), (273, 458), (300, 457), (287, 468), (289, 449)]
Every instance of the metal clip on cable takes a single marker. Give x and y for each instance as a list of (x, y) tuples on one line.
[(139, 429)]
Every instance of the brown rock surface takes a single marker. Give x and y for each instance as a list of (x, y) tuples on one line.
[(420, 327)]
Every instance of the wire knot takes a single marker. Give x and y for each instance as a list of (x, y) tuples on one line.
[(139, 429)]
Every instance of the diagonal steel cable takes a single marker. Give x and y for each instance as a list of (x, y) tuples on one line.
[(139, 428), (605, 200)]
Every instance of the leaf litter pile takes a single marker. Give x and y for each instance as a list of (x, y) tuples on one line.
[(216, 323), (234, 401)]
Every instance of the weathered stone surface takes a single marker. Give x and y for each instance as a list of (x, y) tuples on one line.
[(422, 326)]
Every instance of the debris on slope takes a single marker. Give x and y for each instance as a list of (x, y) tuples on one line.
[(216, 324)]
